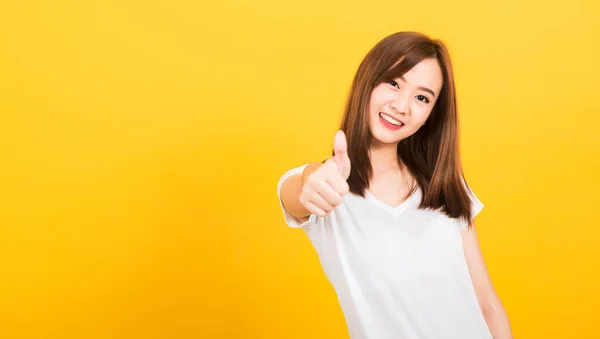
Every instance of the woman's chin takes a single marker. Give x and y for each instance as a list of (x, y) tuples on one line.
[(379, 140), (385, 137)]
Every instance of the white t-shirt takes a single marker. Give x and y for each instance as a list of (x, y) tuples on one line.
[(399, 272)]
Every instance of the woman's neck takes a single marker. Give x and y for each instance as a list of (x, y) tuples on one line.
[(384, 158), (387, 166)]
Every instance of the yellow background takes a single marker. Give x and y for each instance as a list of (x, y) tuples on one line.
[(142, 141)]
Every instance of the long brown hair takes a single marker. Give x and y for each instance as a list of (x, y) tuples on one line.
[(431, 154)]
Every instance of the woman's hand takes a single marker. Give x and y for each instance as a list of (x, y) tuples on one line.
[(324, 188)]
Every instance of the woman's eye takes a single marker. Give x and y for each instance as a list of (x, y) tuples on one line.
[(423, 98), (393, 83)]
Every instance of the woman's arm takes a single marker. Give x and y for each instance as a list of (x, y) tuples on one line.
[(493, 311)]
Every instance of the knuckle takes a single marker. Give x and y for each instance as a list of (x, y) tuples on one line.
[(316, 181), (307, 191), (345, 188), (302, 197), (338, 201)]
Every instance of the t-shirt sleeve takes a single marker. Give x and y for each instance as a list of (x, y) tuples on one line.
[(476, 206), (290, 220)]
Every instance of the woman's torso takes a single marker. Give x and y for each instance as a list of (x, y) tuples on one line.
[(399, 272)]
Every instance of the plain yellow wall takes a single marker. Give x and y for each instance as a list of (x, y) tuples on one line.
[(142, 141)]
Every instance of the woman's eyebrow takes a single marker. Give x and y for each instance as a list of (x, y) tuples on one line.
[(420, 87)]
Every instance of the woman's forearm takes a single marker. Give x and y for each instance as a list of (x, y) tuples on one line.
[(497, 320)]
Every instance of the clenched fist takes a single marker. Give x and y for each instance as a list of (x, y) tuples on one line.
[(324, 188)]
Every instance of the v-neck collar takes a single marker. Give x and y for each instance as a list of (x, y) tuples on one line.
[(393, 210)]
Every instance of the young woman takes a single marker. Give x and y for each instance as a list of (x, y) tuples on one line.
[(390, 213)]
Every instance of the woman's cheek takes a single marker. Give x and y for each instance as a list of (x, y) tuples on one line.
[(421, 116)]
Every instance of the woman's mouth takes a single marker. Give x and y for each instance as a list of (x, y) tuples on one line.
[(390, 122)]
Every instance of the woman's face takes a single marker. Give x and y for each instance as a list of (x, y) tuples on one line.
[(401, 106)]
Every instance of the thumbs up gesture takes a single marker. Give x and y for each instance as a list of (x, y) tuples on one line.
[(324, 188), (340, 150)]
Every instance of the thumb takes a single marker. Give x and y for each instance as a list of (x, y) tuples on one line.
[(340, 151)]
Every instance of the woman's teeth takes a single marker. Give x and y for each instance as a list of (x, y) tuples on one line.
[(391, 120)]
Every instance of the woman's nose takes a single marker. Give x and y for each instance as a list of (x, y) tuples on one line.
[(400, 105)]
